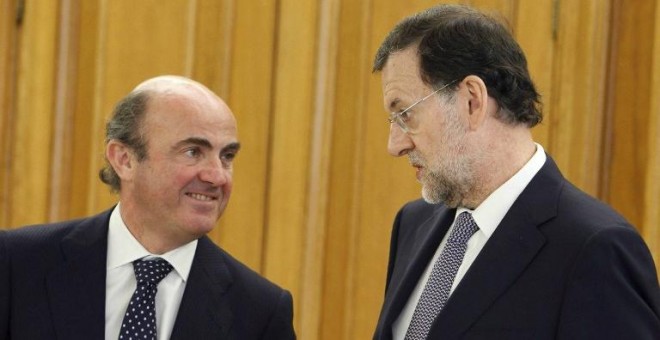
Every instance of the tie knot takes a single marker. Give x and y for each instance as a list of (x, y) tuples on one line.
[(464, 229), (151, 271)]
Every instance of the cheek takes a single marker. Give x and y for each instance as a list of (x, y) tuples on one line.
[(181, 174), (227, 188)]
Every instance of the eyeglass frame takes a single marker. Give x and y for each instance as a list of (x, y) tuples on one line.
[(397, 117)]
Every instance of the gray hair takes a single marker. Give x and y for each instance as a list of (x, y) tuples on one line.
[(125, 126)]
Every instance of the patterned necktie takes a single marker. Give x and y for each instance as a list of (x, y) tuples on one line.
[(436, 292), (140, 318)]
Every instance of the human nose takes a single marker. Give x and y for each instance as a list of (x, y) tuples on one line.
[(399, 142), (216, 173)]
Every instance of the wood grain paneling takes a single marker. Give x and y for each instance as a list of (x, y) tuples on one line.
[(352, 62), (631, 96), (8, 33), (289, 148), (62, 159), (84, 151), (30, 164), (576, 112), (651, 222), (352, 65)]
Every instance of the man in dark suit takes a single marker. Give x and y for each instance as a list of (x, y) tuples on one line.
[(502, 246), (170, 145)]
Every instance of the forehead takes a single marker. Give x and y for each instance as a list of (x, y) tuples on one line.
[(176, 116), (401, 79)]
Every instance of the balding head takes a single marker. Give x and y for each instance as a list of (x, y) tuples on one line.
[(128, 115)]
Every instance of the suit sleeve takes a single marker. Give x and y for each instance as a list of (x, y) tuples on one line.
[(613, 292), (4, 288), (280, 326)]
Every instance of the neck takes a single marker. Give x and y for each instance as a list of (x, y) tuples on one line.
[(155, 240), (501, 157)]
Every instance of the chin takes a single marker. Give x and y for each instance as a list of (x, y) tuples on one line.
[(428, 197), (200, 225)]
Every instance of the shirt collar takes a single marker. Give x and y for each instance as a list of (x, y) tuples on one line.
[(492, 210), (123, 248)]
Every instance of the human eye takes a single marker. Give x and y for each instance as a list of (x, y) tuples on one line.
[(405, 115), (192, 152), (228, 157)]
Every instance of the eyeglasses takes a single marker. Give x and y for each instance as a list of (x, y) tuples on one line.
[(401, 118)]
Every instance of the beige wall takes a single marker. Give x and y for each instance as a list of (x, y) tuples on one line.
[(315, 191)]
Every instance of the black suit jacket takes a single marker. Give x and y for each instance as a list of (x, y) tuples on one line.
[(561, 265), (52, 286)]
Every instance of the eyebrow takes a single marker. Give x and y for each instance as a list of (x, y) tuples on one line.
[(235, 146), (203, 142), (394, 103), (194, 140)]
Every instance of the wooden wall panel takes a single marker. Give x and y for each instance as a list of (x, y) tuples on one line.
[(633, 185), (31, 156), (209, 43), (353, 67), (651, 222), (83, 149), (579, 83), (64, 158), (318, 189), (631, 97), (8, 33), (353, 62), (289, 152)]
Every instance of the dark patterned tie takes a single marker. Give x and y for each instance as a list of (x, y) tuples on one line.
[(436, 292), (140, 318)]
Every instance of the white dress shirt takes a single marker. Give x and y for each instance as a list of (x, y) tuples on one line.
[(488, 216), (120, 282)]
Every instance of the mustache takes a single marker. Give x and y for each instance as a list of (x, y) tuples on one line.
[(416, 159)]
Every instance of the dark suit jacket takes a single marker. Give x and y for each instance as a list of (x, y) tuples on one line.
[(560, 265), (52, 286)]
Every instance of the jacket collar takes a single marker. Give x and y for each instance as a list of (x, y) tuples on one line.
[(76, 287), (204, 312)]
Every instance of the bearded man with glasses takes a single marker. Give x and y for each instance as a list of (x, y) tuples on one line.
[(501, 246)]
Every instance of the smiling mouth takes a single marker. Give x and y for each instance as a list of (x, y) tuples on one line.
[(201, 197)]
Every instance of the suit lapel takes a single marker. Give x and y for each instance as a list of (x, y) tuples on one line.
[(204, 313), (510, 249), (77, 287), (426, 241)]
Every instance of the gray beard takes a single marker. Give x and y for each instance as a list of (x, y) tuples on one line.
[(451, 181), (442, 189)]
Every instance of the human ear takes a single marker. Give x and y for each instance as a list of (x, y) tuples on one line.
[(477, 101), (121, 159)]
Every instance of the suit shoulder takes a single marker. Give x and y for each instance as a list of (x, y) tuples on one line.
[(249, 280), (578, 208), (41, 237), (259, 305), (38, 234)]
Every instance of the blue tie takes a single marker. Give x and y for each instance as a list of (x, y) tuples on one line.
[(436, 292), (140, 318)]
